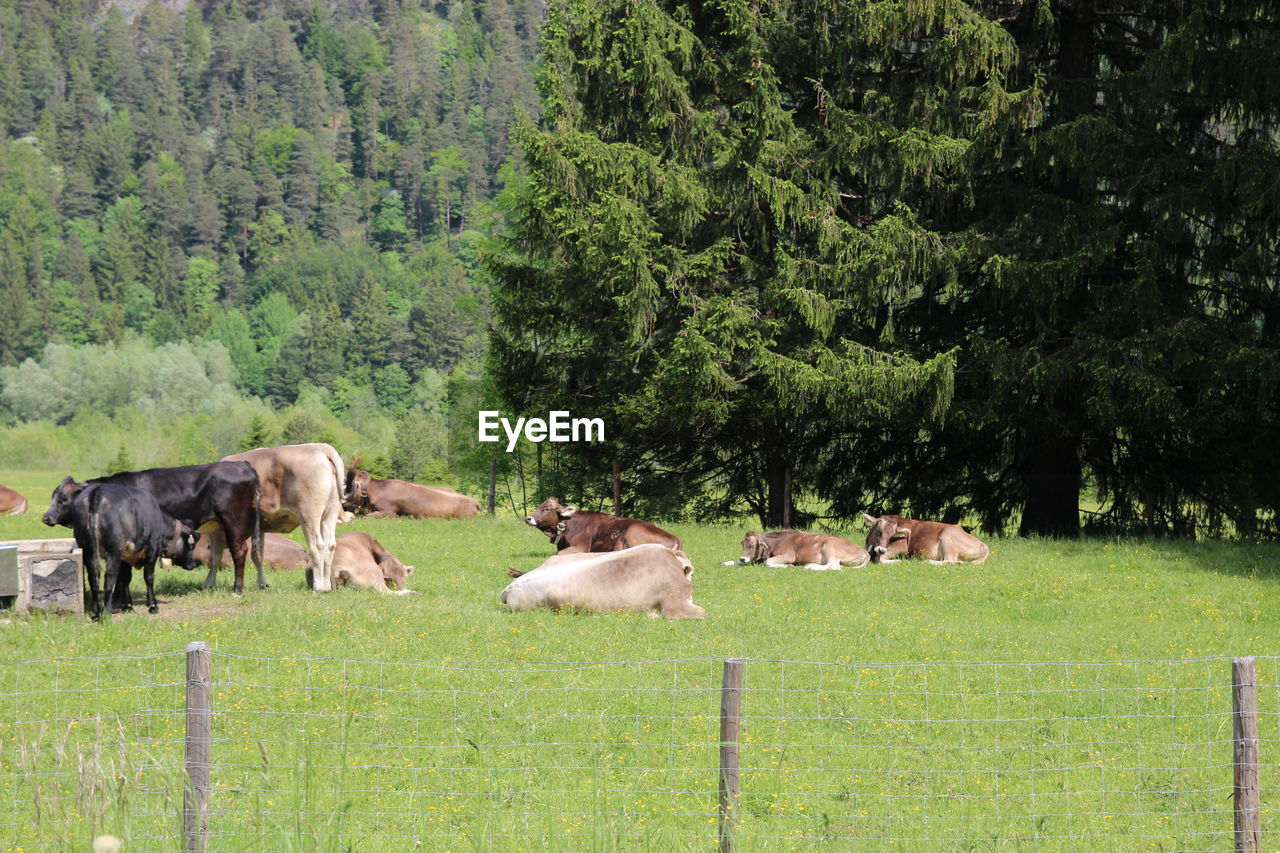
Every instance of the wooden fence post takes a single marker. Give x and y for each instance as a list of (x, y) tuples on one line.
[(195, 800), (1244, 704), (730, 728)]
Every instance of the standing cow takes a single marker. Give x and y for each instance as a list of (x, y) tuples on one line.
[(575, 530), (892, 536), (302, 484), (119, 525), (393, 498), (217, 498), (11, 502)]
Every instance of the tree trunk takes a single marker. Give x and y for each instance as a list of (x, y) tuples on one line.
[(1053, 476), (777, 508)]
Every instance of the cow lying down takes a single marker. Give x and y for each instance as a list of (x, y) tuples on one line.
[(891, 536), (278, 552), (816, 551), (359, 560), (646, 577)]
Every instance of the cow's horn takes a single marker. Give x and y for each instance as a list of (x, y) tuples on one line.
[(568, 511), (902, 531)]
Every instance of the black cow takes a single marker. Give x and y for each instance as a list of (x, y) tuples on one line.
[(219, 499), (119, 525)]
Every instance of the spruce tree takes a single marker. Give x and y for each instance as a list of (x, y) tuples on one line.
[(712, 225)]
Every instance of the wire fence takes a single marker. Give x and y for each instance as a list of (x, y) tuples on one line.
[(320, 753)]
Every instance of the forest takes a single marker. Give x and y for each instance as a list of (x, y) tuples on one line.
[(283, 202), (1008, 263)]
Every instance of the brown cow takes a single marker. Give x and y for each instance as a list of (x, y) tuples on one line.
[(302, 484), (278, 552), (11, 502), (646, 578), (578, 531), (816, 551), (360, 560), (893, 536), (392, 498)]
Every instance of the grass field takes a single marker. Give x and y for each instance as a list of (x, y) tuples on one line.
[(906, 704)]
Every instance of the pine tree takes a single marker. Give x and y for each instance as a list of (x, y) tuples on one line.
[(691, 259)]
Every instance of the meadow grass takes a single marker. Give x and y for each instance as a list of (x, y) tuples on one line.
[(905, 704)]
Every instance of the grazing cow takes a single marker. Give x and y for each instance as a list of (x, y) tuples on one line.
[(392, 498), (278, 552), (301, 485), (578, 531), (11, 502), (360, 560), (218, 498), (893, 536), (119, 525), (792, 547), (648, 577)]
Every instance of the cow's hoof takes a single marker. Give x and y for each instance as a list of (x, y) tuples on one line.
[(264, 586), (237, 591), (153, 609)]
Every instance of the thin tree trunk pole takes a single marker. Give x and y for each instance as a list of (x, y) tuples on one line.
[(786, 497), (730, 769), (1244, 701), (617, 487), (195, 806), (493, 483)]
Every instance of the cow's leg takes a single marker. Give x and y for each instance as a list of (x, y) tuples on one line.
[(121, 598), (110, 575), (321, 555), (238, 541), (91, 569), (149, 577), (217, 541), (777, 562)]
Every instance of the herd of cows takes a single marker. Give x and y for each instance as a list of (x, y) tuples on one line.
[(235, 509)]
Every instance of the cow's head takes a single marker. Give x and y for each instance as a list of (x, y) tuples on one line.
[(356, 498), (59, 511), (881, 532), (549, 515), (181, 548), (394, 572), (754, 548)]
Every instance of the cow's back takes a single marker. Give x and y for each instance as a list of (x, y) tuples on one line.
[(599, 531), (644, 577), (12, 502), (295, 476)]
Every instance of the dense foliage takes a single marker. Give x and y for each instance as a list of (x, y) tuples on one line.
[(304, 183), (948, 258)]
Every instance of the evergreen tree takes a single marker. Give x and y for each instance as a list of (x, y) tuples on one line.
[(691, 260)]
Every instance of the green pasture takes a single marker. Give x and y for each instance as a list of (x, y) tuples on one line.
[(910, 705)]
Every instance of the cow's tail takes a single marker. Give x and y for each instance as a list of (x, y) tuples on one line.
[(257, 524), (93, 558), (339, 482)]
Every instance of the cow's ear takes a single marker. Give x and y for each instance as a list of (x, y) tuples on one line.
[(567, 511), (869, 519), (408, 570)]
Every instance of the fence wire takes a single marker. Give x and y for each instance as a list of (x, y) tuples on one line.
[(320, 753)]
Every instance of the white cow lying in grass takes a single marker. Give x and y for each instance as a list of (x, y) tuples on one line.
[(647, 577)]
